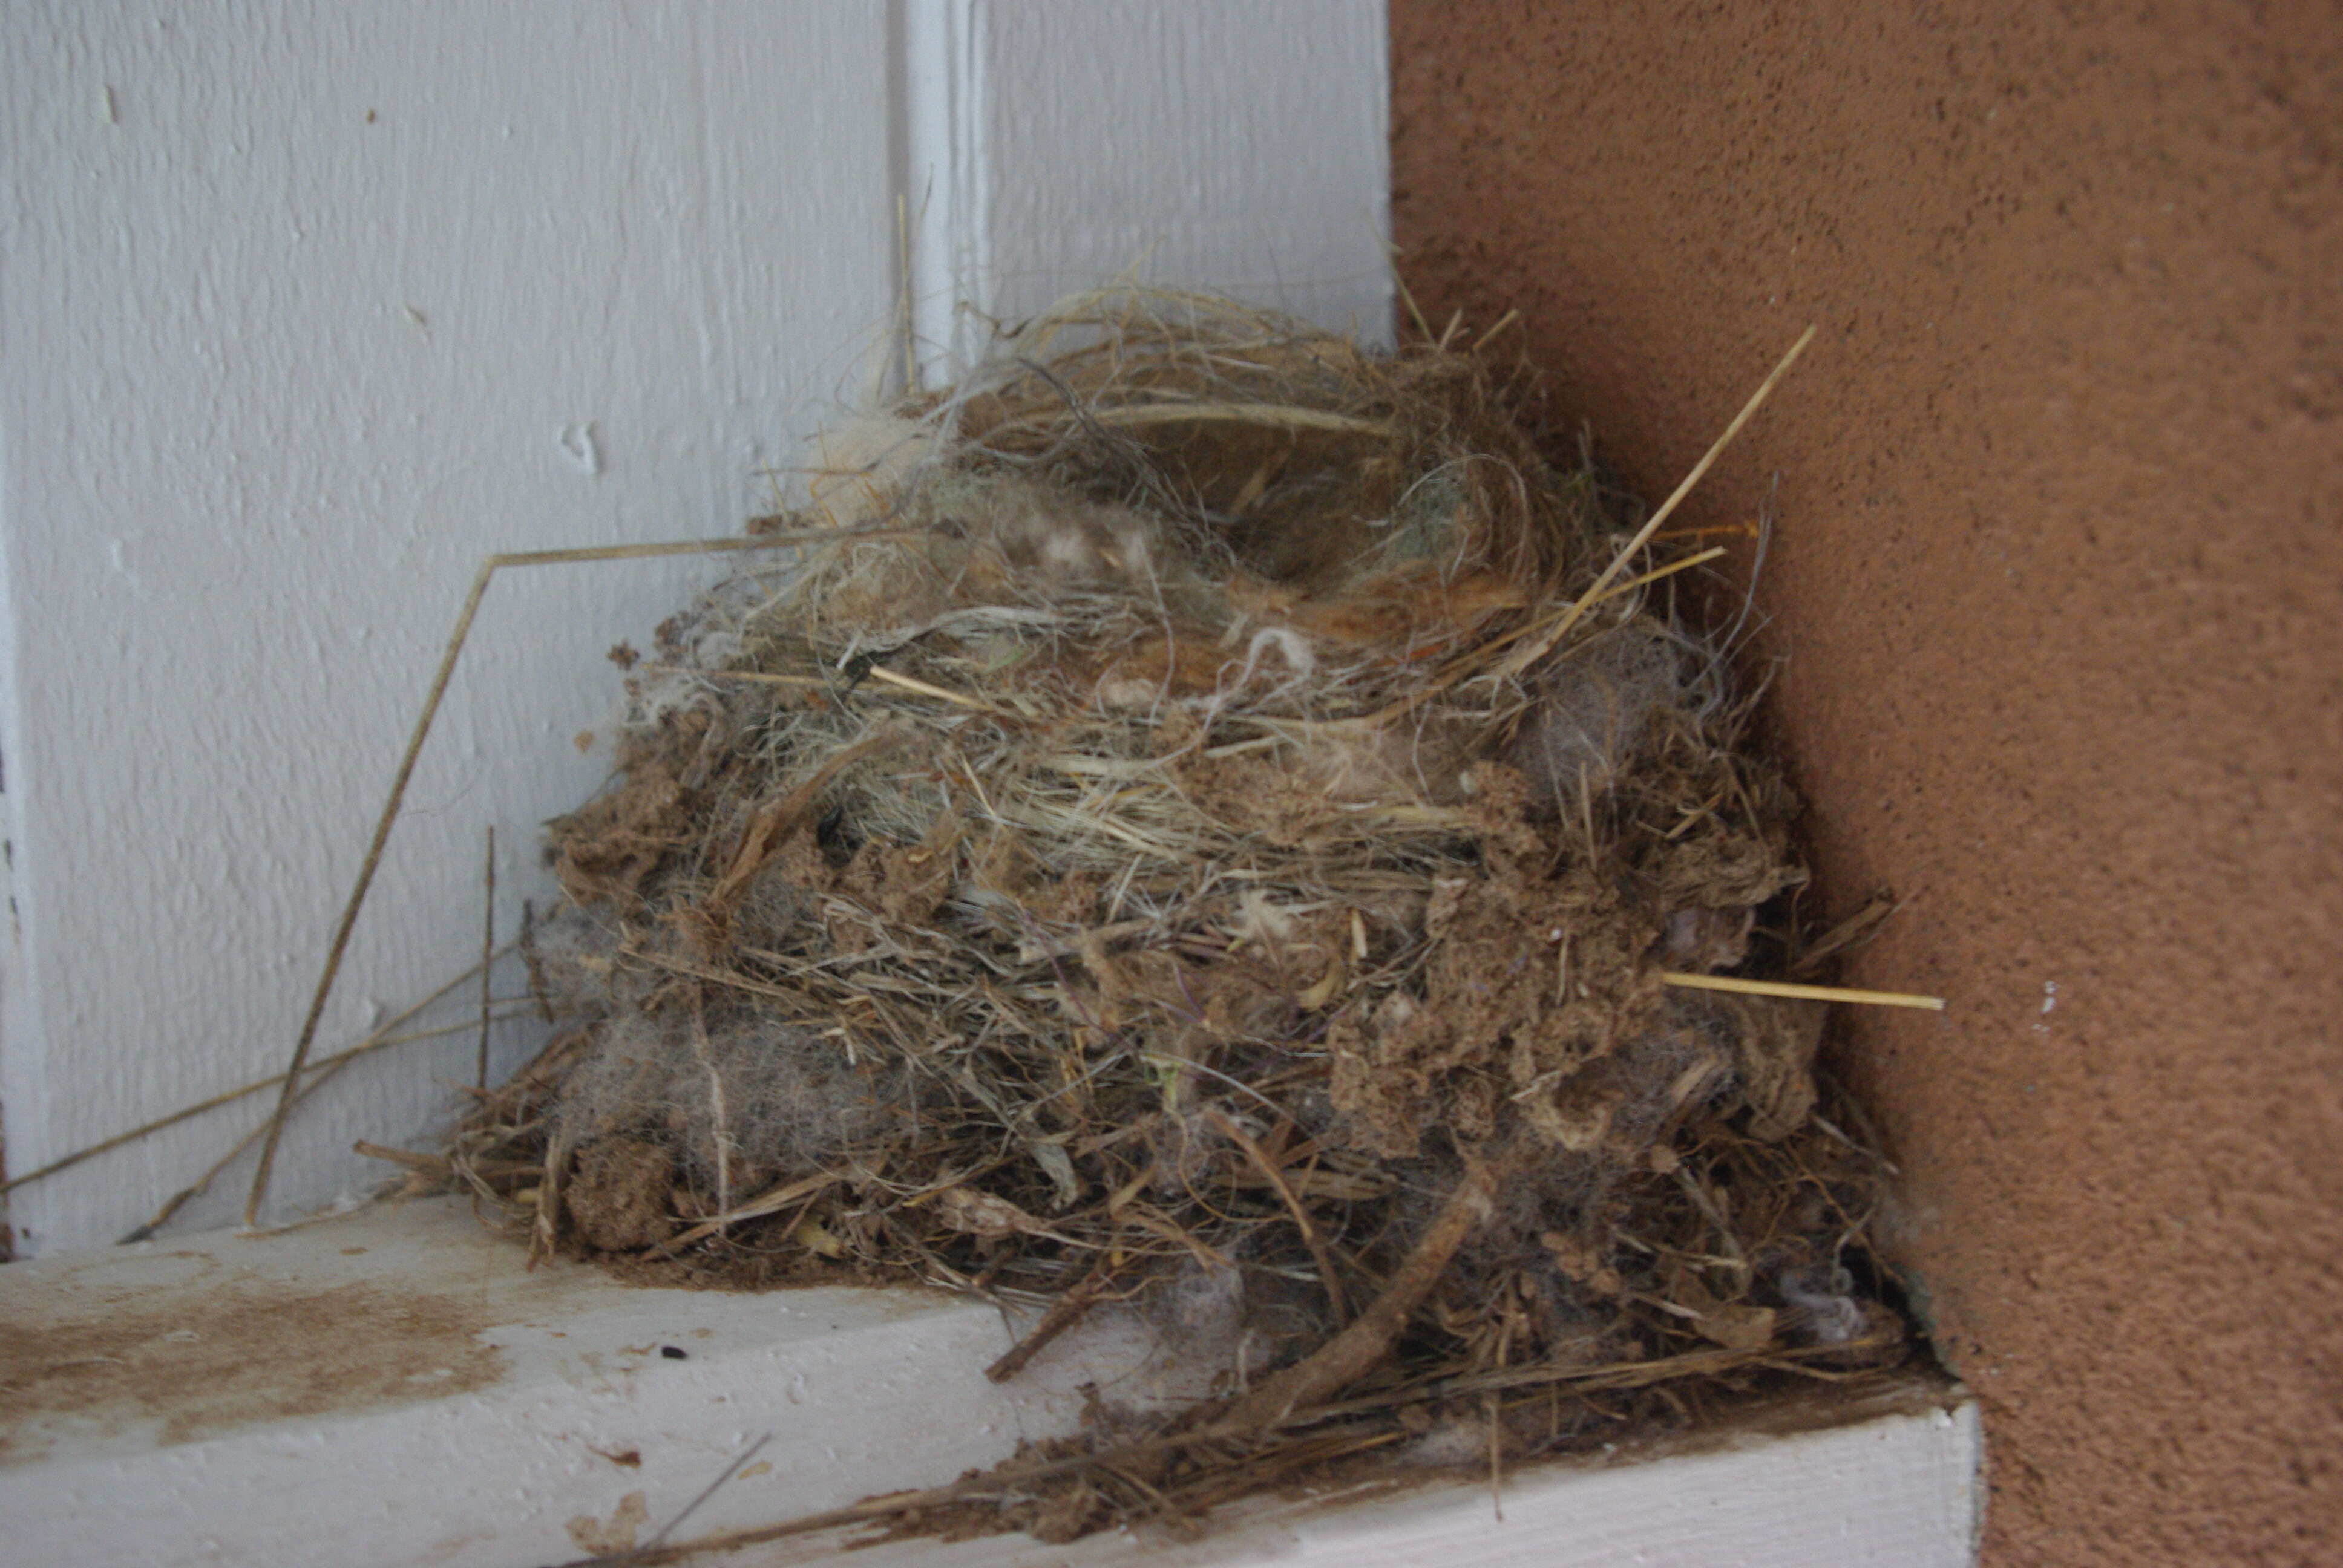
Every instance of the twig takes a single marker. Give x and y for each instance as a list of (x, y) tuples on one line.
[(1852, 933), (705, 1051), (708, 1492), (322, 1074), (1235, 1134), (407, 1159), (1013, 1475), (1544, 636), (1740, 986), (1507, 319), (1064, 1315), (1669, 570), (1010, 1475), (528, 945), (904, 309), (758, 676), (910, 683), (1738, 530), (1610, 1375), (1139, 416), (381, 1037), (1350, 1352), (432, 697), (1537, 648), (544, 1226), (1407, 295), (766, 832), (1001, 1478), (1709, 1211), (487, 948), (779, 1198)]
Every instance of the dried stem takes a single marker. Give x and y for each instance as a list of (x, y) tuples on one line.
[(1336, 1301), (1064, 1313), (422, 730), (488, 950), (1740, 986), (1537, 648), (1342, 1359), (387, 1035)]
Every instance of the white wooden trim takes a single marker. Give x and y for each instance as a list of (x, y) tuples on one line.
[(395, 1388), (1050, 145), (941, 180)]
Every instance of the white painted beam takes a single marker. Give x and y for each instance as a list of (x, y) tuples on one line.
[(395, 1388), (1237, 145)]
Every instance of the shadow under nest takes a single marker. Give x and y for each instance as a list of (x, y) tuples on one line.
[(1188, 839)]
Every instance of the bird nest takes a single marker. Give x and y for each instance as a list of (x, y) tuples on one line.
[(1208, 824)]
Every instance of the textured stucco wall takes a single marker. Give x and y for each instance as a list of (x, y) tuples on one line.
[(2059, 576)]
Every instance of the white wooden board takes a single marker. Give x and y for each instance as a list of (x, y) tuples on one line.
[(395, 1388)]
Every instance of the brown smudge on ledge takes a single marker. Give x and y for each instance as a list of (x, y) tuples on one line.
[(204, 1357)]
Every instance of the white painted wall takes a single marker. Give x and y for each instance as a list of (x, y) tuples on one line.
[(275, 374), (185, 1453)]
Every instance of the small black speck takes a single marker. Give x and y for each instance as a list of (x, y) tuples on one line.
[(675, 1352)]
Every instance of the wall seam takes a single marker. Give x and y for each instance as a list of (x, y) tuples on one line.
[(943, 181)]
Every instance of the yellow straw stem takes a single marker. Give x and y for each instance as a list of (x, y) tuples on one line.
[(1802, 992), (1538, 648)]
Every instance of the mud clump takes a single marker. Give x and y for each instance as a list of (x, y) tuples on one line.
[(619, 1195)]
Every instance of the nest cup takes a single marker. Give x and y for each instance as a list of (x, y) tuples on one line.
[(1188, 835)]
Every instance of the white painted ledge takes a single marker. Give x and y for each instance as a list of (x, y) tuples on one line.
[(394, 1389)]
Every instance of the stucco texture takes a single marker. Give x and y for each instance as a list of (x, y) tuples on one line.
[(2059, 576)]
